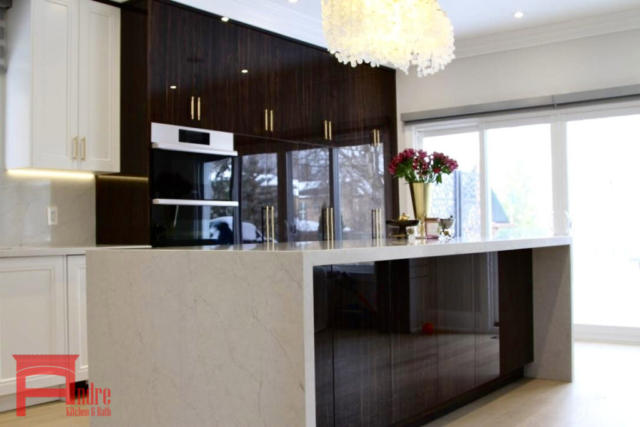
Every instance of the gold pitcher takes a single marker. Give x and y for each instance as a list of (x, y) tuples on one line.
[(421, 199)]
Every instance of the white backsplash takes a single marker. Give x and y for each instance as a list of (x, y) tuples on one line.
[(24, 201)]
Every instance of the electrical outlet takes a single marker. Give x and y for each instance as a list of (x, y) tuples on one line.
[(52, 215)]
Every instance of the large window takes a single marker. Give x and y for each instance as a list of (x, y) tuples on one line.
[(603, 158), (503, 186), (519, 169), (574, 172)]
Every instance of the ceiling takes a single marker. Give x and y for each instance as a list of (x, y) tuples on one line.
[(473, 20)]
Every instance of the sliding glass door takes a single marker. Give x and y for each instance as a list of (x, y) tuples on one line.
[(604, 202)]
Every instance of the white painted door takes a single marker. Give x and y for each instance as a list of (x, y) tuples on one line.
[(99, 87), (77, 305), (32, 315), (55, 83)]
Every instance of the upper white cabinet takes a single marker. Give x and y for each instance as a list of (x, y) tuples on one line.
[(63, 85)]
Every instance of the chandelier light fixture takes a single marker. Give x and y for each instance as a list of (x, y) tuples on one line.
[(398, 33)]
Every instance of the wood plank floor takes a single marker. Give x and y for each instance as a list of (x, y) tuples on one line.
[(604, 393)]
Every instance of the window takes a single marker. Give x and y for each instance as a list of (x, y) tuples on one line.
[(519, 171), (603, 158), (459, 194)]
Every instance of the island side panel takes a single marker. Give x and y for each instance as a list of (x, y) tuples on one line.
[(552, 314), (198, 338)]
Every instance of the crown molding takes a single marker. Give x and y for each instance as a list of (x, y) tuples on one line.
[(278, 18), (547, 34)]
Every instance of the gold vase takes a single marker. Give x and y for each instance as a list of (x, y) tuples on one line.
[(421, 199)]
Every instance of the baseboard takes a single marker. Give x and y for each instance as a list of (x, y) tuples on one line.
[(8, 402), (606, 334)]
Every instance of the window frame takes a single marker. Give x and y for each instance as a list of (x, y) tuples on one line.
[(557, 119)]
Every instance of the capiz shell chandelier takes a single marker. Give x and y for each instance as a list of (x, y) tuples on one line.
[(399, 33)]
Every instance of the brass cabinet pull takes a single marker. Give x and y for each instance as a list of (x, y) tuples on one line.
[(266, 120), (331, 230), (192, 107), (271, 120), (199, 108), (378, 132), (373, 133), (74, 148), (84, 148), (330, 132), (326, 130), (269, 218), (273, 224)]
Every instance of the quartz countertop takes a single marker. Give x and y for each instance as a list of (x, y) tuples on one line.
[(33, 251), (348, 251)]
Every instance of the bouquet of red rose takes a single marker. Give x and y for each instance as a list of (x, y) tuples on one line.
[(419, 166)]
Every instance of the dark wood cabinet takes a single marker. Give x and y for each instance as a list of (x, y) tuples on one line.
[(516, 309), (185, 67), (402, 342)]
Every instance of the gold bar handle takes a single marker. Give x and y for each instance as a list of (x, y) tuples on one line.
[(271, 120), (330, 132), (199, 108), (192, 107), (326, 130), (74, 148), (273, 224), (266, 120), (84, 148), (331, 228)]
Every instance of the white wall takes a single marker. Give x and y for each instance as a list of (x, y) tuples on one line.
[(573, 66), (24, 201)]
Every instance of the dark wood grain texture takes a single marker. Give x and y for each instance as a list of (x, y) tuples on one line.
[(516, 309), (122, 201)]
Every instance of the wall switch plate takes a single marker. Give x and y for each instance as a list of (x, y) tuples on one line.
[(52, 215)]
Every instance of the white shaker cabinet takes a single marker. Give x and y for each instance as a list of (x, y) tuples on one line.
[(77, 313), (63, 86), (33, 316)]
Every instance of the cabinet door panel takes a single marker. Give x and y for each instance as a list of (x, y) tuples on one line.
[(455, 326), (291, 112), (32, 315), (259, 188), (77, 306), (362, 348), (99, 87), (487, 330), (309, 193), (516, 309), (323, 327), (414, 345), (175, 40), (55, 83)]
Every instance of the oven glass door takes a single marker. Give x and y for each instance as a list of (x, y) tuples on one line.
[(191, 176), (173, 225)]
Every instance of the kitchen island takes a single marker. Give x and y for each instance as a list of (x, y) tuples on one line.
[(373, 332)]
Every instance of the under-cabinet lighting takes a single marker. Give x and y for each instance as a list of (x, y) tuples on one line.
[(35, 173), (225, 19), (518, 15), (123, 178)]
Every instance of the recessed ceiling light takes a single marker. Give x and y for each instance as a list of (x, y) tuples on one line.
[(225, 19), (293, 1), (518, 15), (173, 87), (245, 71)]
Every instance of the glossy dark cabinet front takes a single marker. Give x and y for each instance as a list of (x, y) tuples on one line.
[(399, 342)]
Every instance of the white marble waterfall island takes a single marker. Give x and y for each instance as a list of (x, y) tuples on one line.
[(375, 332)]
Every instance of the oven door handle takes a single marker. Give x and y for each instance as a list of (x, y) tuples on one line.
[(179, 202)]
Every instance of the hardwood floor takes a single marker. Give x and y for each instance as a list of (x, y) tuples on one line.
[(604, 393)]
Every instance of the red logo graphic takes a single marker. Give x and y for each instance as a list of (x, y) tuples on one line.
[(44, 364), (63, 365)]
